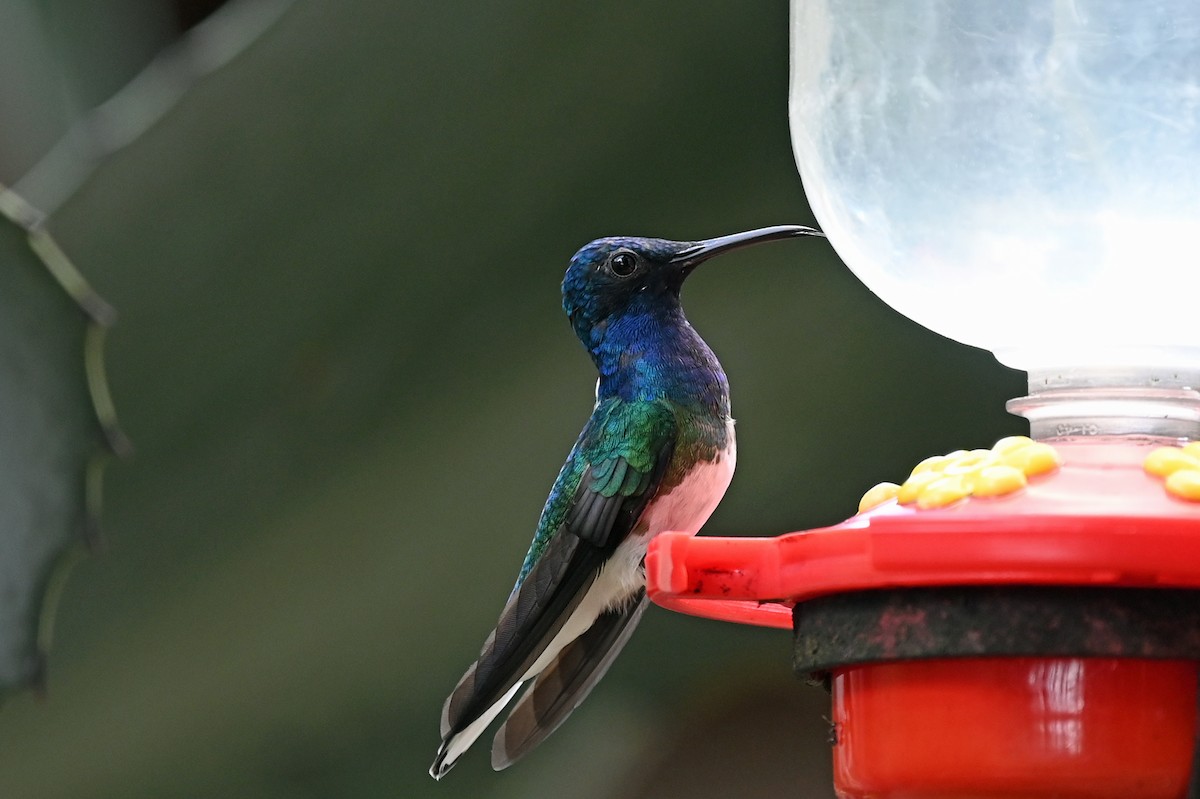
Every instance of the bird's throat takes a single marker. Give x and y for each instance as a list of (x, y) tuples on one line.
[(650, 356)]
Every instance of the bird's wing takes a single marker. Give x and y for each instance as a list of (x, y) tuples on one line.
[(565, 683), (616, 469)]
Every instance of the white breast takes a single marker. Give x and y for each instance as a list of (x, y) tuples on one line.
[(688, 505)]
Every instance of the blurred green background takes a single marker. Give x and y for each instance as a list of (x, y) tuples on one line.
[(343, 363)]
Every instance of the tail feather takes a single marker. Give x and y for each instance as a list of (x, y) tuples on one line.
[(454, 745), (529, 623), (531, 619), (565, 683)]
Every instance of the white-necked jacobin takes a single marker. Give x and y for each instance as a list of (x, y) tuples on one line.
[(657, 454)]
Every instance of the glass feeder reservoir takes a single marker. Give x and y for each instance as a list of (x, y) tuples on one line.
[(1020, 176)]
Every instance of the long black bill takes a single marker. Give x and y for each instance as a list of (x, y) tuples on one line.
[(701, 251)]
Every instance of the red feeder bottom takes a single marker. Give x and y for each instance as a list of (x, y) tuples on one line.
[(1015, 727)]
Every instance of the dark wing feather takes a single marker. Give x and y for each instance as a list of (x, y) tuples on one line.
[(565, 683), (533, 616), (610, 496)]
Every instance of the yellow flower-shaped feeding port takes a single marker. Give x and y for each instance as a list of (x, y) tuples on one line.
[(941, 480), (1180, 469)]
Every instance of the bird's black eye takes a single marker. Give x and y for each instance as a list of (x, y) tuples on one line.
[(623, 264)]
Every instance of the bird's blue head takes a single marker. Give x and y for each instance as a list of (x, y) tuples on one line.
[(612, 278)]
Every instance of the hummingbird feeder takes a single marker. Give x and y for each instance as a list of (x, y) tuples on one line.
[(1022, 620)]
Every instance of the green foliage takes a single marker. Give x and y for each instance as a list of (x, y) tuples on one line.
[(56, 426)]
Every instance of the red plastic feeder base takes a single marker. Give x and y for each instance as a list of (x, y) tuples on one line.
[(1074, 728), (999, 647)]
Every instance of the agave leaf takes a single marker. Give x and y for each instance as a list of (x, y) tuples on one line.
[(57, 428)]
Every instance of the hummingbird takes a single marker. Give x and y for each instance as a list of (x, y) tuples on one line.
[(656, 454)]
